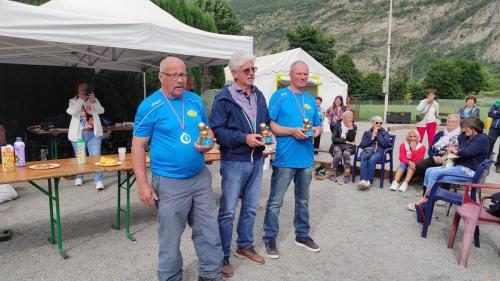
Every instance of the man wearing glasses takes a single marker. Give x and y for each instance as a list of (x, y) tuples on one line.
[(237, 112), (181, 186), (289, 108)]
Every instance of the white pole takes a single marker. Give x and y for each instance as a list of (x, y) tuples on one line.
[(144, 83), (388, 64)]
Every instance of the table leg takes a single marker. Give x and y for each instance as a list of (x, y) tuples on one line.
[(127, 185), (53, 147), (53, 199)]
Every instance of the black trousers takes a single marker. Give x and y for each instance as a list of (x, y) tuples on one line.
[(316, 143), (422, 166), (493, 135)]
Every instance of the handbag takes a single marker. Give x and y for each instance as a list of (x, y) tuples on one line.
[(420, 210)]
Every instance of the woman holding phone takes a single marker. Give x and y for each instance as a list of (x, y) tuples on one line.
[(85, 124)]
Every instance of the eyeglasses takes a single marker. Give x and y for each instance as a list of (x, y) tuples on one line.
[(175, 76), (378, 123), (247, 70)]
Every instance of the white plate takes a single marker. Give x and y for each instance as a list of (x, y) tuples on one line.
[(101, 165), (44, 166)]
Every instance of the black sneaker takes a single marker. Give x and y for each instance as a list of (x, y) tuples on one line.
[(272, 249), (307, 242), (209, 279)]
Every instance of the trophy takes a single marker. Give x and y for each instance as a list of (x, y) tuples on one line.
[(264, 131), (204, 139), (308, 128)]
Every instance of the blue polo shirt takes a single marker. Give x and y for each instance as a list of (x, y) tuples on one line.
[(284, 110), (171, 157)]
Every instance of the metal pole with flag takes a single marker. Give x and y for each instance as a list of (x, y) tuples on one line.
[(385, 89)]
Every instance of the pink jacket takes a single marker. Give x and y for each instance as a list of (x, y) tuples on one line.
[(416, 155)]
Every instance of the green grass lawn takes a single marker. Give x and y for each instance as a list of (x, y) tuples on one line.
[(368, 110)]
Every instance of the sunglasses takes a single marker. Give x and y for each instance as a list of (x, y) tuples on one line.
[(247, 70), (378, 123)]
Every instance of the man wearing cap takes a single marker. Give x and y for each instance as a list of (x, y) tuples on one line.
[(181, 184), (291, 110)]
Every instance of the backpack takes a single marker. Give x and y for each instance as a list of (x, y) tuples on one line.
[(420, 210), (495, 205)]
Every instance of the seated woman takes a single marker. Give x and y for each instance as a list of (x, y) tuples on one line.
[(470, 108), (343, 136), (471, 153), (373, 143), (410, 153), (450, 137)]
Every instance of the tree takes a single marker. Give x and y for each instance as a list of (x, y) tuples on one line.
[(472, 77), (225, 19), (315, 42), (371, 87), (344, 67), (444, 76), (397, 85)]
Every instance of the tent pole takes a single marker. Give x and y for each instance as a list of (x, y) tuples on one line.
[(144, 83)]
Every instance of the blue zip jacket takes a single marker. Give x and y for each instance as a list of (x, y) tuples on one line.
[(231, 126), (494, 113), (383, 139), (473, 151)]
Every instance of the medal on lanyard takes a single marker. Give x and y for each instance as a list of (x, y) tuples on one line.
[(185, 138)]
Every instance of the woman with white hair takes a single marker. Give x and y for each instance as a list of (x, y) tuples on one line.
[(342, 147), (410, 153), (373, 143)]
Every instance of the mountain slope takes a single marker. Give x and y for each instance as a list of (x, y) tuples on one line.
[(423, 30)]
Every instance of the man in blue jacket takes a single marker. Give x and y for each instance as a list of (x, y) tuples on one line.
[(494, 132), (237, 112), (288, 108)]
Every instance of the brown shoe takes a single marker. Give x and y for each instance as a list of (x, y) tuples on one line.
[(249, 254), (227, 268)]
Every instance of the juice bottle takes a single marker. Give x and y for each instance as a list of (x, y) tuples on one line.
[(19, 152), (8, 161), (81, 155)]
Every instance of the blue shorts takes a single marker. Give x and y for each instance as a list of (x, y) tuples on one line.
[(403, 166)]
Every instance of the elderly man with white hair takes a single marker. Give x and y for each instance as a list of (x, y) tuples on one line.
[(237, 112), (373, 143)]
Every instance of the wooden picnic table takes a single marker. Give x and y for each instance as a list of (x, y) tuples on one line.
[(53, 135), (70, 167)]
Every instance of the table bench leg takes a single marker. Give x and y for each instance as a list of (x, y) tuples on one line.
[(53, 196), (127, 185)]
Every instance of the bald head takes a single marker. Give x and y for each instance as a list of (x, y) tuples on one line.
[(172, 76)]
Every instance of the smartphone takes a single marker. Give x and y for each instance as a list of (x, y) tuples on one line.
[(89, 91)]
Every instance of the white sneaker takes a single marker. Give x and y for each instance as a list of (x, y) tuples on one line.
[(99, 186), (78, 181), (411, 207), (394, 186), (403, 186), (361, 183), (368, 184)]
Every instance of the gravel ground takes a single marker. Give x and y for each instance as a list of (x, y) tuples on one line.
[(363, 236)]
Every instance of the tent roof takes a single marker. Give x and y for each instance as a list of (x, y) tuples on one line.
[(131, 35)]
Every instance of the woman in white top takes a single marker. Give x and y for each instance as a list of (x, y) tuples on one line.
[(84, 109), (429, 108)]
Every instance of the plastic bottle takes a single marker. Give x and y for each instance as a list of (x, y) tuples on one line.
[(19, 152), (81, 155)]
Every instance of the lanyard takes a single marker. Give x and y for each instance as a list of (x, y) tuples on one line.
[(302, 110), (176, 115)]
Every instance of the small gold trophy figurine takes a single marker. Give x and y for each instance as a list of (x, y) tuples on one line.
[(204, 139), (264, 131), (308, 128)]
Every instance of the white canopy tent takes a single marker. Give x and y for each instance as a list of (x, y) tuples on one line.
[(273, 72), (128, 35)]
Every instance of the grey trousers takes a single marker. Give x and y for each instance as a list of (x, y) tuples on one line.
[(189, 201)]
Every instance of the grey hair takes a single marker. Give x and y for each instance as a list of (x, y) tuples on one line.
[(297, 62), (415, 132), (239, 58), (347, 113), (376, 118), (454, 115)]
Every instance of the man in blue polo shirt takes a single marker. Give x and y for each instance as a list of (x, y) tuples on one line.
[(294, 157), (181, 187)]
